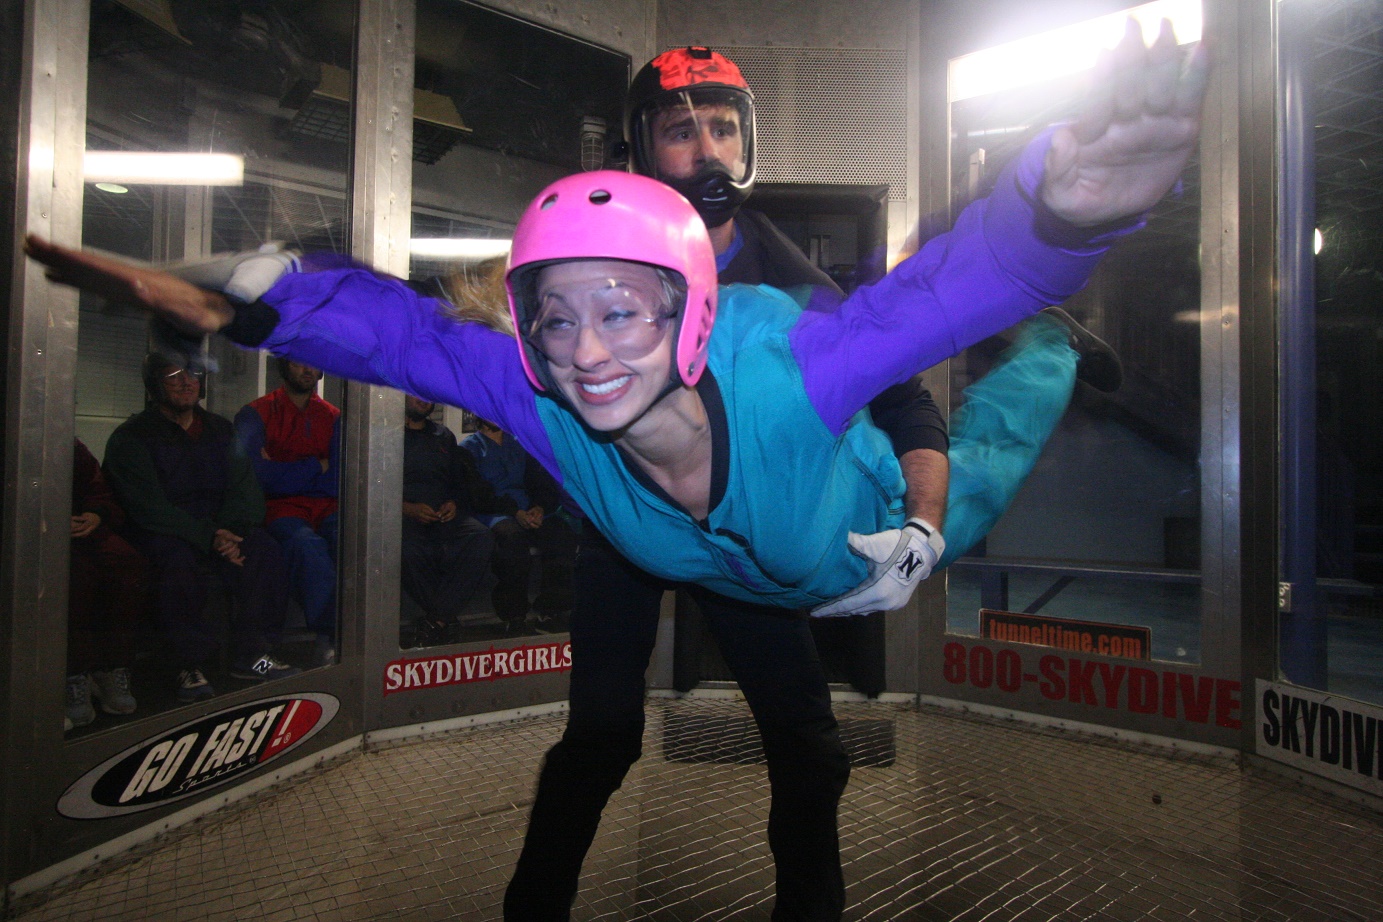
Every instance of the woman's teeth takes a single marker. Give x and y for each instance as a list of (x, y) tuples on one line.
[(607, 387)]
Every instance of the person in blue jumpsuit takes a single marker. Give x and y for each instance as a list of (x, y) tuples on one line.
[(739, 462)]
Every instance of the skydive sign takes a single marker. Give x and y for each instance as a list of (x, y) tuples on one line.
[(1093, 684), (1325, 735)]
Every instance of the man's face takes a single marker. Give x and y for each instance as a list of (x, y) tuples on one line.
[(685, 139), (416, 408), (179, 390), (300, 378)]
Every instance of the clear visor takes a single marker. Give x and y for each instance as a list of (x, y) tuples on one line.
[(694, 129), (629, 318)]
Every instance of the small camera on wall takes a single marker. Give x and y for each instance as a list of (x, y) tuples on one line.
[(593, 143)]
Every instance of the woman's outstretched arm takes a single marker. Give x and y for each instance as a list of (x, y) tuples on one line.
[(350, 322), (1032, 243)]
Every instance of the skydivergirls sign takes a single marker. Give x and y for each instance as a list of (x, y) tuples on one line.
[(198, 756), (478, 666)]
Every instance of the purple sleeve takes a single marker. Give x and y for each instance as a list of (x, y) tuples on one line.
[(1006, 258), (369, 327)]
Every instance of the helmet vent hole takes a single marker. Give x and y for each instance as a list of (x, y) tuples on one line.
[(549, 202), (600, 197)]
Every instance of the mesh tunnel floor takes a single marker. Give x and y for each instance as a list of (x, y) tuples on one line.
[(963, 818)]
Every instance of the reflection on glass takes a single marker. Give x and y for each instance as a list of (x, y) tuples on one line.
[(1107, 526), (206, 604), (502, 108), (1334, 412)]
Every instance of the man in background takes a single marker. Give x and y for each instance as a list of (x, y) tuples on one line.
[(446, 551), (196, 511), (292, 438)]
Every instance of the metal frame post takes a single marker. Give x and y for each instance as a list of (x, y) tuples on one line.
[(372, 472)]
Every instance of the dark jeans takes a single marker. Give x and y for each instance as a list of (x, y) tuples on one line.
[(513, 564), (108, 590), (444, 565), (311, 556), (182, 574), (771, 654)]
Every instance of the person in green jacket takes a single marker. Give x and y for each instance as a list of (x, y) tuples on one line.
[(196, 511)]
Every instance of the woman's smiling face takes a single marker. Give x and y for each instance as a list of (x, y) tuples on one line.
[(604, 327)]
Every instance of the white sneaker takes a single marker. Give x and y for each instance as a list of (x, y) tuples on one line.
[(262, 668), (112, 690)]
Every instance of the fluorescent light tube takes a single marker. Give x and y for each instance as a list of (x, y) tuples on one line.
[(129, 167), (1068, 50)]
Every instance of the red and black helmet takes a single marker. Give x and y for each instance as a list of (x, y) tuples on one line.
[(687, 88)]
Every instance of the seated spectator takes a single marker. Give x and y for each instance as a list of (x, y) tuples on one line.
[(107, 583), (540, 522), (446, 551), (292, 438), (195, 511)]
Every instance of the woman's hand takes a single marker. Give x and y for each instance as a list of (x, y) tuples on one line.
[(1139, 125), (191, 310)]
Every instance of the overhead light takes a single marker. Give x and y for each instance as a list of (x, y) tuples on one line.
[(458, 247), (1317, 241), (1068, 50), (113, 187), (163, 169)]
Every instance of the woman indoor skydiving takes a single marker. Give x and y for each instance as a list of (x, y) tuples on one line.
[(714, 438)]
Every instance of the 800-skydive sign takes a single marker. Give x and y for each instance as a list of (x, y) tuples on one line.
[(198, 756)]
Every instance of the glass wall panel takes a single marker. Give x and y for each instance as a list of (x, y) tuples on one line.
[(1332, 333), (502, 108), (203, 516), (1107, 526)]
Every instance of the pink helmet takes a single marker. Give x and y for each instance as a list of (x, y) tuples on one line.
[(613, 215)]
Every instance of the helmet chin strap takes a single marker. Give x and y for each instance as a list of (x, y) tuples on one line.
[(713, 192)]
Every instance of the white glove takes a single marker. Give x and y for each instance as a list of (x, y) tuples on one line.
[(242, 276), (898, 559)]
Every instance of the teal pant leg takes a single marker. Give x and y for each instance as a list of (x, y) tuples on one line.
[(999, 431)]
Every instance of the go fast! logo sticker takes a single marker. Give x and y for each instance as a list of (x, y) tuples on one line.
[(198, 756)]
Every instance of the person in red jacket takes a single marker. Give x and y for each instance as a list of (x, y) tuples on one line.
[(292, 437), (108, 588)]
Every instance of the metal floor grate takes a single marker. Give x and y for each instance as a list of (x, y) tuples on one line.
[(972, 819)]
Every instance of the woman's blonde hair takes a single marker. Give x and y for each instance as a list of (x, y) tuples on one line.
[(477, 295)]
